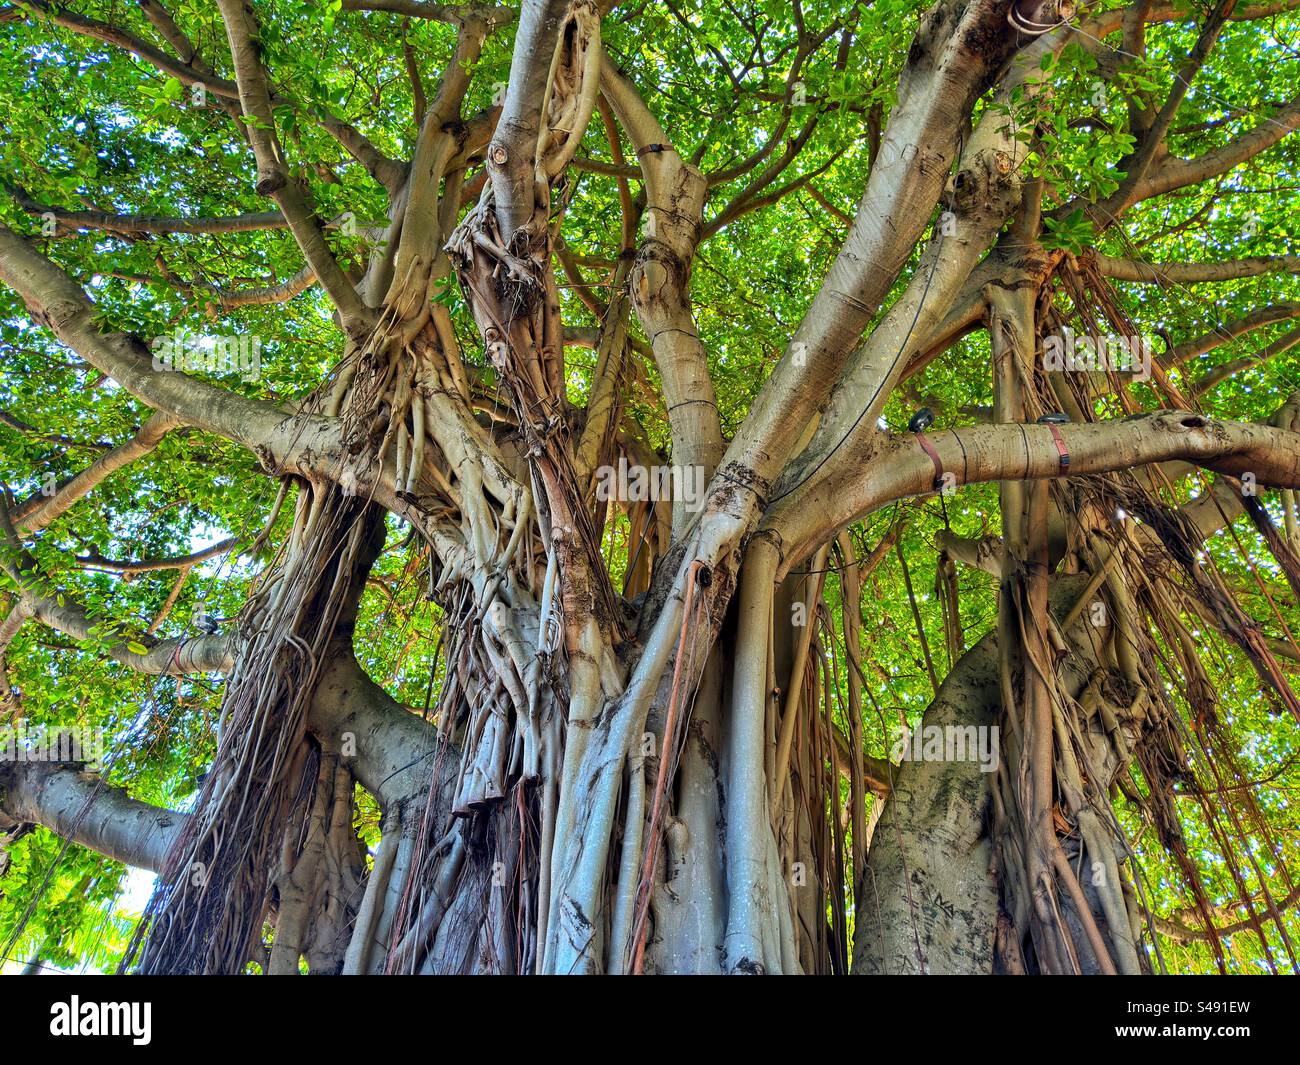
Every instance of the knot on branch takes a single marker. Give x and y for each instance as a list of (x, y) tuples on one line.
[(657, 266), (1186, 422), (270, 182), (56, 314), (989, 182)]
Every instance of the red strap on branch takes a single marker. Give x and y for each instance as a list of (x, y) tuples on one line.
[(1061, 449), (928, 448)]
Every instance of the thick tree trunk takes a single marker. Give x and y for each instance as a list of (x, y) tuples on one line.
[(928, 899), (655, 779)]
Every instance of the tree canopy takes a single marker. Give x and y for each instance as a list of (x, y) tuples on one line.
[(136, 531)]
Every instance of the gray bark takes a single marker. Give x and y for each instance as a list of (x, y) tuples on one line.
[(928, 899)]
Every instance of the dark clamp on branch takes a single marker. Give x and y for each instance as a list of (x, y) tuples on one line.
[(921, 421)]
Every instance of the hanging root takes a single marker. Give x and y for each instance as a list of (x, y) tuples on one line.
[(207, 912)]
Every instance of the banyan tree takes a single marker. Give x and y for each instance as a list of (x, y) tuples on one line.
[(713, 487)]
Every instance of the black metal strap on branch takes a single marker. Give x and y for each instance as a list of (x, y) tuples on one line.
[(655, 149), (688, 402)]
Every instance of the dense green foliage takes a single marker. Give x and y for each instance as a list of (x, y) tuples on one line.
[(89, 126)]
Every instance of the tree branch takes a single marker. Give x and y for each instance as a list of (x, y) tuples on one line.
[(79, 806), (1223, 334), (660, 279), (386, 171), (53, 299), (272, 173), (1137, 163), (95, 561), (188, 654), (454, 13), (937, 91), (900, 468), (40, 510), (102, 31), (512, 155), (1221, 373), (141, 224), (1192, 273), (1174, 173)]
